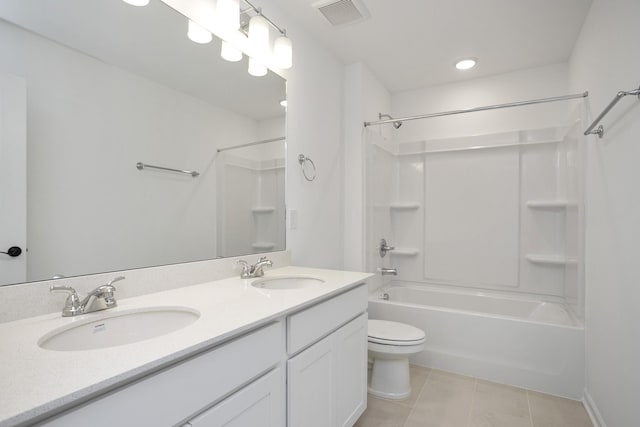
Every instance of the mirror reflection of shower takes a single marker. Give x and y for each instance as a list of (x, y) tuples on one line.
[(251, 209)]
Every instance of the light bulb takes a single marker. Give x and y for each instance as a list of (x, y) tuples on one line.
[(197, 34), (466, 64), (228, 14), (259, 35), (256, 68), (283, 53), (137, 2), (229, 52)]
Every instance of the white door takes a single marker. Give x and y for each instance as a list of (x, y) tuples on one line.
[(310, 386), (261, 403), (13, 177)]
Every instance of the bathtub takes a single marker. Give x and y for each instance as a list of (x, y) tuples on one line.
[(519, 341)]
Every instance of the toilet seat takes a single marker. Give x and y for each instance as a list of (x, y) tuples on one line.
[(393, 333)]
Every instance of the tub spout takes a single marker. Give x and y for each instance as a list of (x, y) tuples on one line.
[(388, 271)]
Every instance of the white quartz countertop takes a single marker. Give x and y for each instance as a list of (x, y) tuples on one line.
[(35, 381)]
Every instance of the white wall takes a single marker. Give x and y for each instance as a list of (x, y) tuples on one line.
[(89, 208), (314, 120), (605, 61)]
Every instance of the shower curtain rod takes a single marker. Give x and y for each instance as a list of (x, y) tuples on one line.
[(472, 110), (249, 144)]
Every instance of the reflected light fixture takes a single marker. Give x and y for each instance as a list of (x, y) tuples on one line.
[(466, 64), (256, 68), (137, 2), (283, 52), (283, 103), (229, 52), (228, 14), (197, 34)]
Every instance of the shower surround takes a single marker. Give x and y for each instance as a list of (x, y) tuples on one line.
[(488, 248)]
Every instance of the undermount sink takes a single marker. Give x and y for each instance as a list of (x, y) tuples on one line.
[(119, 328), (287, 282)]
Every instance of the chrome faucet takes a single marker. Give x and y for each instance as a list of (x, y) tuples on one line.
[(101, 298), (388, 271), (249, 271)]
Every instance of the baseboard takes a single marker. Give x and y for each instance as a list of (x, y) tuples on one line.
[(592, 410)]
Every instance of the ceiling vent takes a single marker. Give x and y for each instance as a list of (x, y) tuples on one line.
[(342, 12)]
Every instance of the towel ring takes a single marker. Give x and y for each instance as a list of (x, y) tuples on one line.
[(302, 159)]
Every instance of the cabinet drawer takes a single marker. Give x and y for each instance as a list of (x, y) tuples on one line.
[(310, 325), (173, 395), (261, 403)]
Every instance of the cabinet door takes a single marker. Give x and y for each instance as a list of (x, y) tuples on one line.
[(310, 385), (261, 403), (350, 352), (327, 383)]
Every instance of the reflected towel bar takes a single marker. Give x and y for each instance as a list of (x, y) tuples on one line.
[(614, 101), (141, 166), (249, 144)]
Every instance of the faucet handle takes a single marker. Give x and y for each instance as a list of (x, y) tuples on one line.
[(62, 288), (246, 269), (115, 279), (72, 305)]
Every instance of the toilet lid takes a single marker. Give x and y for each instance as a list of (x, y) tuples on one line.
[(384, 330)]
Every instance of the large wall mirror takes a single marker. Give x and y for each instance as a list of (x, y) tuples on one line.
[(89, 89)]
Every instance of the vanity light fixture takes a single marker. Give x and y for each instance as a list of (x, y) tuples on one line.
[(137, 2), (197, 34), (228, 14), (283, 52), (466, 64), (259, 35)]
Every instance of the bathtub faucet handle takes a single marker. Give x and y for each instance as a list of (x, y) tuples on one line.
[(388, 271), (384, 248)]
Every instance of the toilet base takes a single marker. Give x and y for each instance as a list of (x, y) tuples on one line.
[(390, 378)]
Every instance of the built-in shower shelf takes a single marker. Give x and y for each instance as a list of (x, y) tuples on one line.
[(263, 245), (263, 209), (404, 206), (406, 252), (550, 259), (550, 204)]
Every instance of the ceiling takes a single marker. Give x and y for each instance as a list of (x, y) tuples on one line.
[(414, 43)]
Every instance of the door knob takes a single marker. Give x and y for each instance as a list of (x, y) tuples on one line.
[(13, 251)]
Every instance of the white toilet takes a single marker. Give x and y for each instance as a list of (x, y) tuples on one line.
[(390, 345)]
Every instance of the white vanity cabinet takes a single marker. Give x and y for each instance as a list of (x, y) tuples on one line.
[(326, 382), (306, 369), (174, 395)]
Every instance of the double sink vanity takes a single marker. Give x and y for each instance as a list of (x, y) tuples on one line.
[(288, 348)]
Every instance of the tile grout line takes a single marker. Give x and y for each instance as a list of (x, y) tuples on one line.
[(473, 399), (417, 398), (529, 406)]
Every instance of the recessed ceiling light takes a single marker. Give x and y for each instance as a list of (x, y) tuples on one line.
[(466, 64)]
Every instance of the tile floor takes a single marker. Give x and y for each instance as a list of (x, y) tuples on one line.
[(442, 399)]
